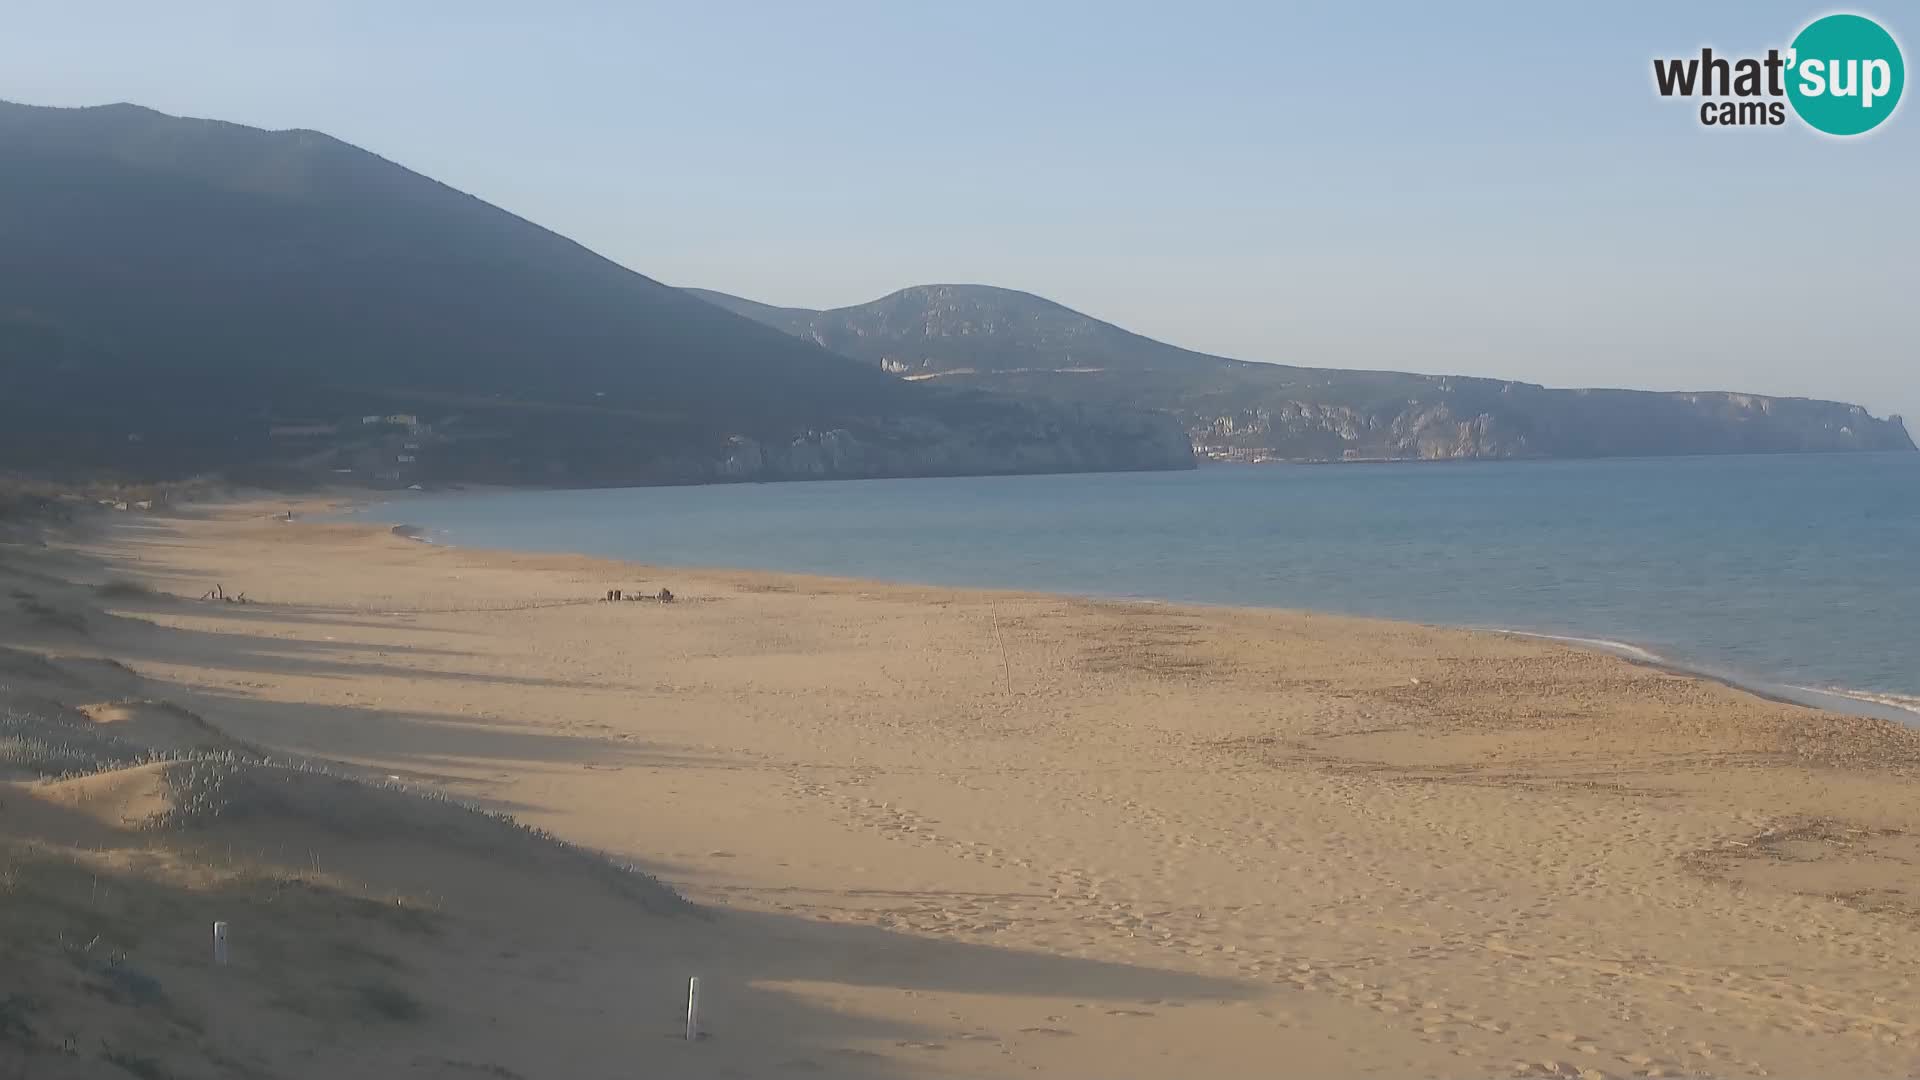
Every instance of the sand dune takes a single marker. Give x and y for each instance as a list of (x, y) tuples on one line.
[(949, 833)]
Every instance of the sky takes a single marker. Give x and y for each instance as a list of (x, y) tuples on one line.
[(1491, 189)]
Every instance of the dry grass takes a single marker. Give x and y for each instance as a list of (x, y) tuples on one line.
[(102, 940), (53, 746), (105, 900), (209, 786)]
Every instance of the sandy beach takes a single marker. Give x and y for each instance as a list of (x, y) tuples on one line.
[(934, 832)]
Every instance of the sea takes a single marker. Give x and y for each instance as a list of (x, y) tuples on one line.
[(1794, 575)]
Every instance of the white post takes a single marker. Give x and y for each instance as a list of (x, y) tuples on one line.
[(693, 1008), (219, 944)]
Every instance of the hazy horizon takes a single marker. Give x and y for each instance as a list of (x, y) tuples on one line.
[(1497, 192)]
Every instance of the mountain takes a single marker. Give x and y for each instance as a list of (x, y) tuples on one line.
[(935, 329), (180, 294), (1016, 343)]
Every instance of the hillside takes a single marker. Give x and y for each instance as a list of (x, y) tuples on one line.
[(943, 328), (1013, 342), (181, 294)]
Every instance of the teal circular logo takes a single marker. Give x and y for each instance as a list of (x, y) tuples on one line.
[(1845, 74)]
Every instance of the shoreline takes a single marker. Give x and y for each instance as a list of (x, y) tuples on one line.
[(1867, 703), (1855, 701), (350, 508), (347, 507), (969, 832)]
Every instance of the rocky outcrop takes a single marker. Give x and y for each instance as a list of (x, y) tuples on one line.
[(1466, 420), (1023, 345)]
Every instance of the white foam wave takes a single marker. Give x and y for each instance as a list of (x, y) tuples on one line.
[(1900, 706), (1903, 702), (1619, 647)]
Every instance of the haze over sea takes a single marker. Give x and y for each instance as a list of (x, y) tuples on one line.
[(1782, 571)]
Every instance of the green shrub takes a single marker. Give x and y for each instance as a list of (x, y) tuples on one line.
[(139, 1065), (383, 1000), (47, 615)]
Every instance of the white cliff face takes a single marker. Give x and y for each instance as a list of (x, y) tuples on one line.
[(1528, 421), (1029, 347)]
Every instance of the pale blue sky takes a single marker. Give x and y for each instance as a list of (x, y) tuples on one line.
[(1492, 191)]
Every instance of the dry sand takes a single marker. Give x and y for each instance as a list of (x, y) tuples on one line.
[(960, 833)]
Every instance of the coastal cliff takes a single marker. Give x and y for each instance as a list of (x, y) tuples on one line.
[(1017, 344), (1485, 419)]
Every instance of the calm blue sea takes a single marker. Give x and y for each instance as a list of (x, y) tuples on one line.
[(1777, 571)]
